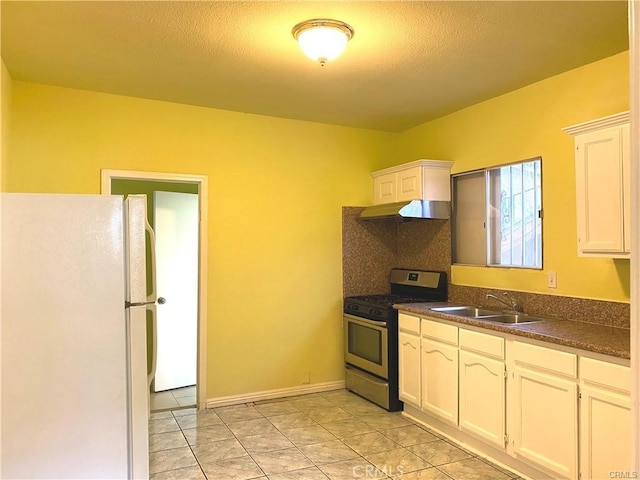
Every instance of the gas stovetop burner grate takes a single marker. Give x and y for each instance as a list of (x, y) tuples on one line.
[(384, 299), (377, 307), (407, 286)]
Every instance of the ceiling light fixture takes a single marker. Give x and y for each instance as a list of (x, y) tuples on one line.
[(322, 39)]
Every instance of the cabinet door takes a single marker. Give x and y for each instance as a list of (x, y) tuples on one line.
[(544, 420), (409, 368), (440, 380), (599, 188), (605, 430), (409, 184), (482, 397), (384, 189)]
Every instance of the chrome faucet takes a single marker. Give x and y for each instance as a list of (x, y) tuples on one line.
[(515, 307)]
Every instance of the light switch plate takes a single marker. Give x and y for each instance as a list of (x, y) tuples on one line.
[(552, 280)]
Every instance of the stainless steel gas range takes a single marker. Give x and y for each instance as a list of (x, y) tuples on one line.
[(371, 333)]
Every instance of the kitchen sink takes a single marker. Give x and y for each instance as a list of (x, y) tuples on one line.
[(486, 315), (465, 311), (510, 318)]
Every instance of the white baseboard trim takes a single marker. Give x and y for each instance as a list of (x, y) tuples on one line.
[(477, 446), (271, 394)]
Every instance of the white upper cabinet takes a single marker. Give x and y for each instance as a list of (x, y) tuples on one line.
[(419, 180), (603, 186)]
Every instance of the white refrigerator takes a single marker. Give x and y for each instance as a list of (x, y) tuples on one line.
[(74, 296)]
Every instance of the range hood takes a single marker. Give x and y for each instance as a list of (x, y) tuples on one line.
[(409, 209)]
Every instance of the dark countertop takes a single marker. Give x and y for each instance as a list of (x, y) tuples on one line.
[(586, 336)]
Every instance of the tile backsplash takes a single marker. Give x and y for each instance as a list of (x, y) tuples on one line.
[(371, 248), (369, 252)]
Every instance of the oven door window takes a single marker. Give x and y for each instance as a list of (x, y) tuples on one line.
[(366, 343)]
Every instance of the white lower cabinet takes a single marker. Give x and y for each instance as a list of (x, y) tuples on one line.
[(440, 380), (482, 382), (439, 368), (605, 430), (544, 407), (409, 368), (544, 420), (605, 419), (530, 402), (409, 359)]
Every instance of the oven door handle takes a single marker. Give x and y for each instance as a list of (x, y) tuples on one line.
[(365, 321), (375, 322)]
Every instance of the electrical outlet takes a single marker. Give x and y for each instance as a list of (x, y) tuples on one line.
[(552, 280)]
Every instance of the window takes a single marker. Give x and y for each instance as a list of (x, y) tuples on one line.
[(497, 216)]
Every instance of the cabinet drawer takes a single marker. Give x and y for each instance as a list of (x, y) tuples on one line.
[(440, 331), (409, 323), (545, 359), (486, 344), (605, 374)]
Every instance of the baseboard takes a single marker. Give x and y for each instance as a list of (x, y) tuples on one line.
[(477, 446), (272, 394)]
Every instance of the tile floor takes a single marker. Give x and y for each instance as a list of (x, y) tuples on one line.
[(171, 399), (333, 435)]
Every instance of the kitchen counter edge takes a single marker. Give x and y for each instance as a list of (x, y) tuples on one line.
[(601, 339)]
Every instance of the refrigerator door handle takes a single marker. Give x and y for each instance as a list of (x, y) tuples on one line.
[(154, 343), (151, 298)]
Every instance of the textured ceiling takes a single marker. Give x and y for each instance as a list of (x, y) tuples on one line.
[(409, 62)]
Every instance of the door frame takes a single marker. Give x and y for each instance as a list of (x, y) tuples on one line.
[(106, 176)]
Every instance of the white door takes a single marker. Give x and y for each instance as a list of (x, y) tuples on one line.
[(176, 229)]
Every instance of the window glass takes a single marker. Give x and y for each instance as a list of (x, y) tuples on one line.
[(512, 216), (515, 205), (468, 233)]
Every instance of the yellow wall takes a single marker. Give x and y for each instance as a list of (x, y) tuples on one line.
[(276, 188), (5, 122), (524, 124)]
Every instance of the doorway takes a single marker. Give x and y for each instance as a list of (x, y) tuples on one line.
[(176, 207)]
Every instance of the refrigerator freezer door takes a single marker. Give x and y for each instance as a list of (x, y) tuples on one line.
[(64, 354), (139, 391)]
